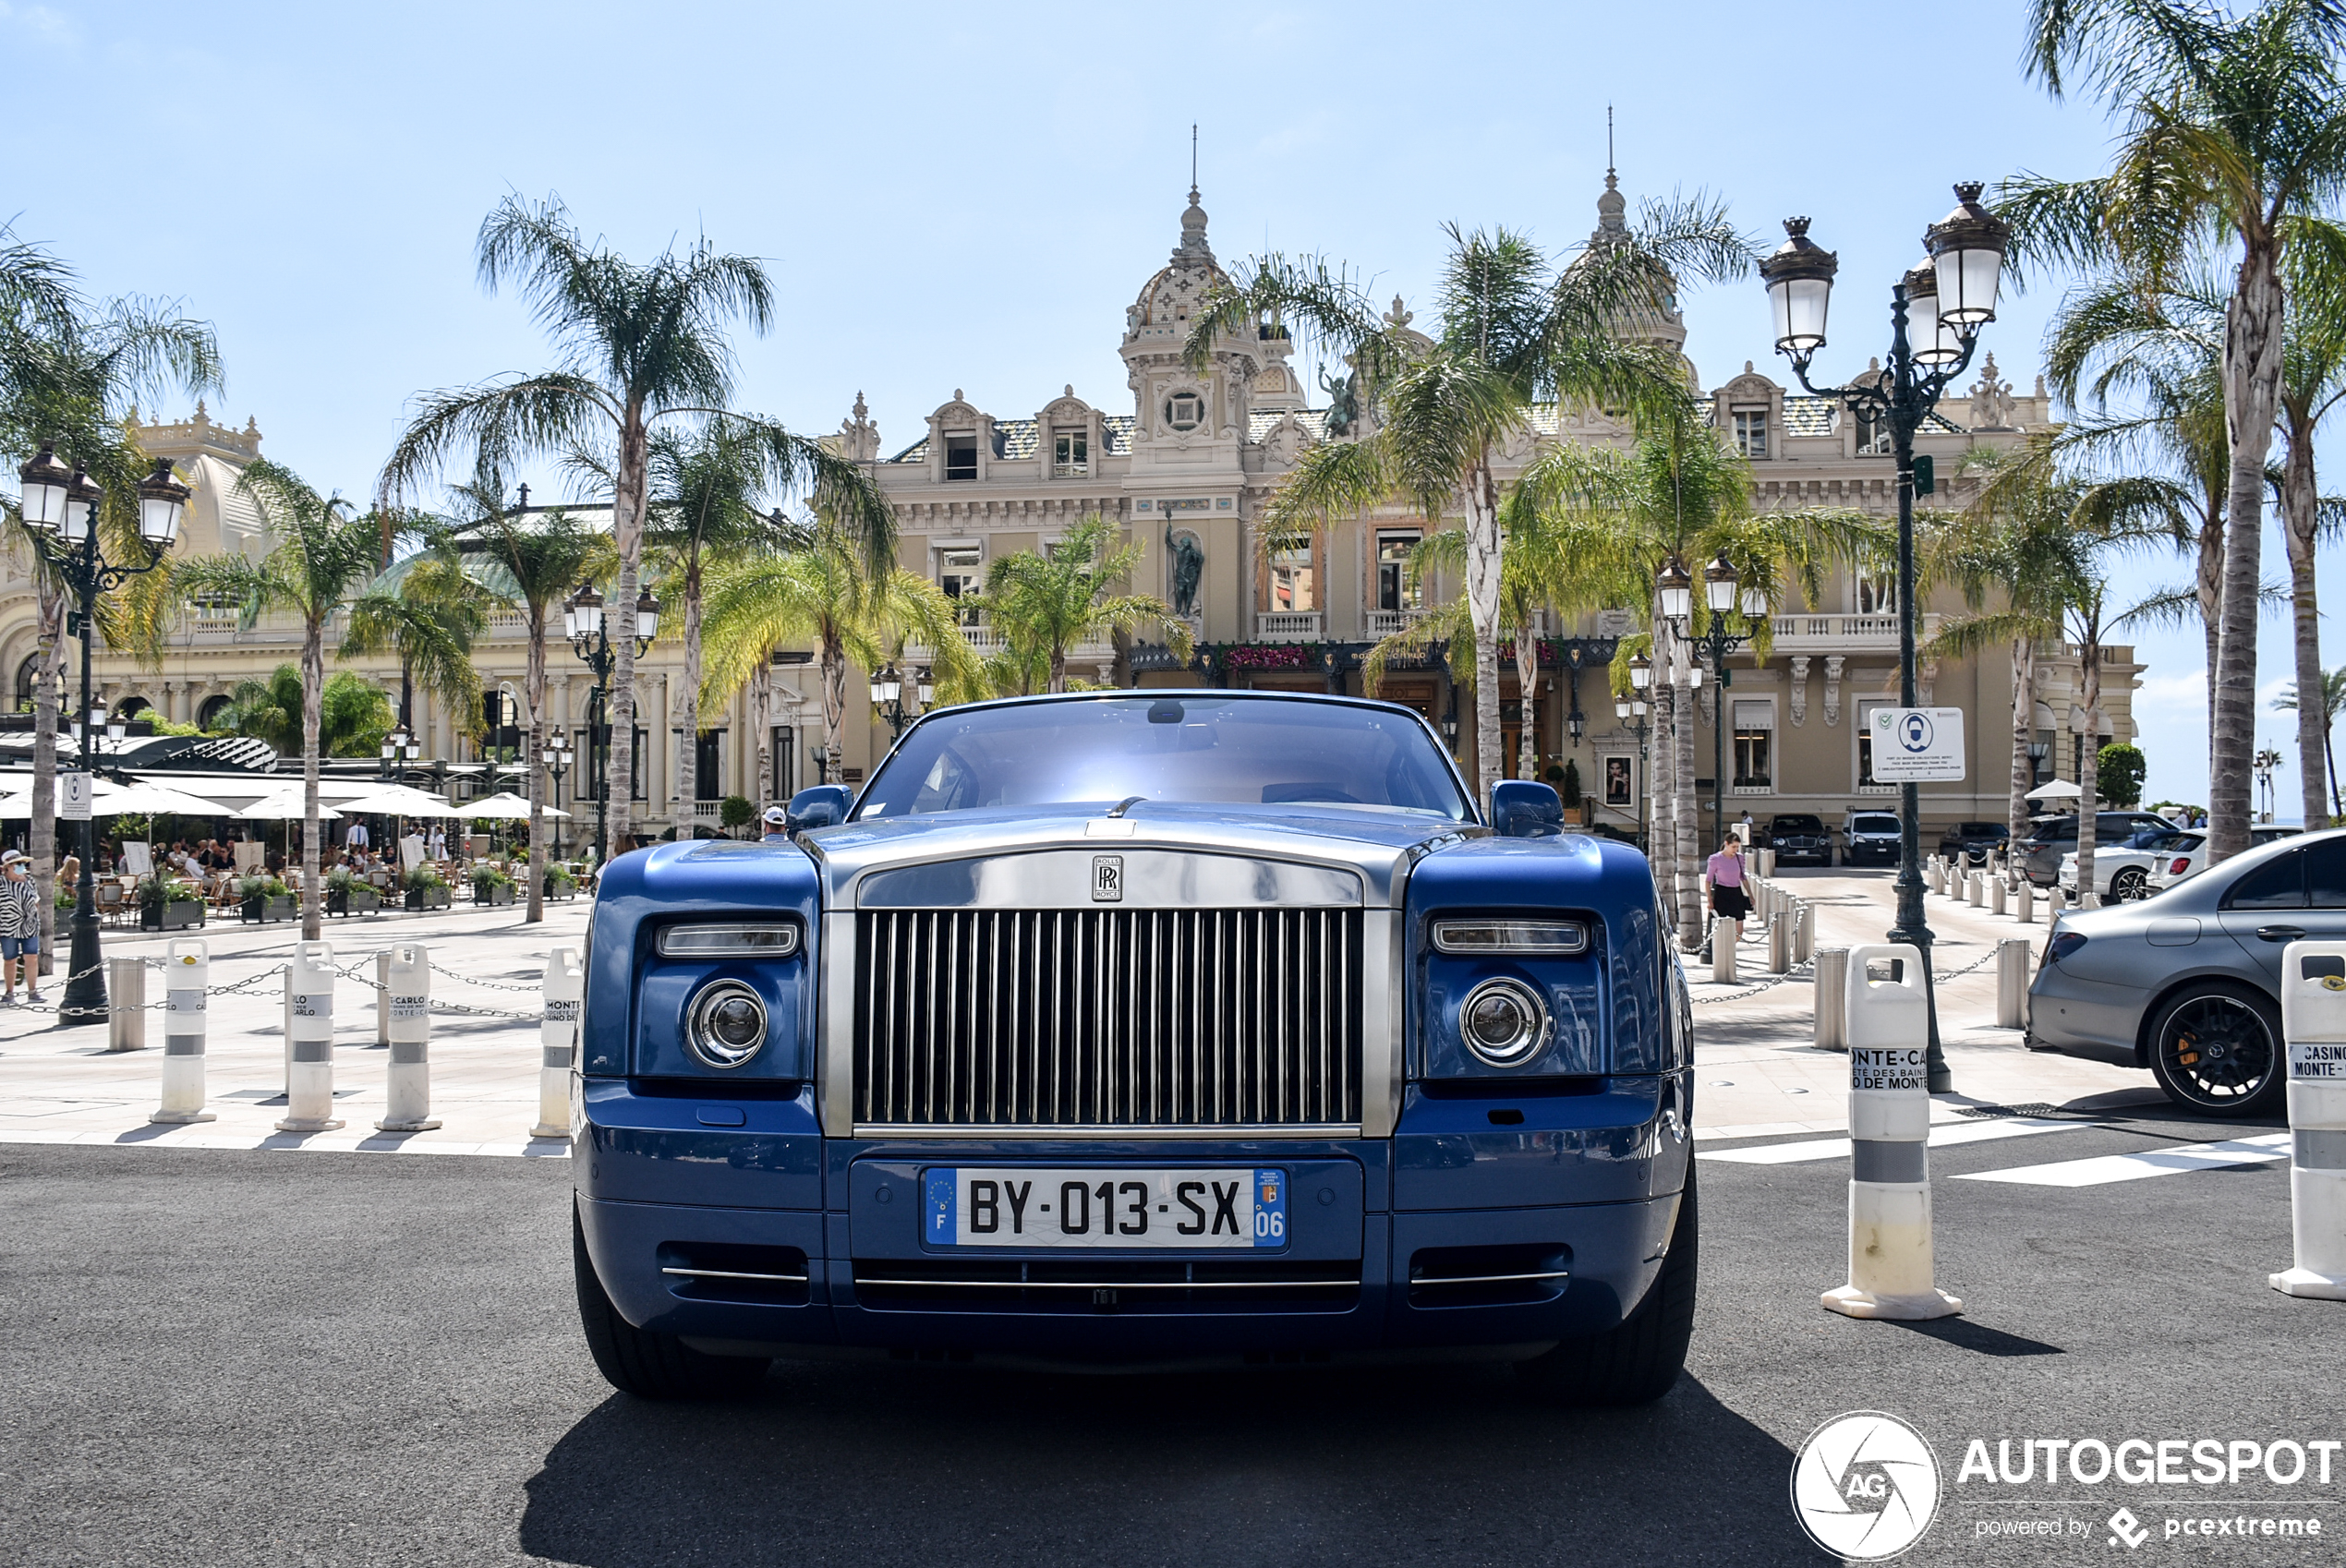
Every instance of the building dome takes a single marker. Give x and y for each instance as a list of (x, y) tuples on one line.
[(1168, 299)]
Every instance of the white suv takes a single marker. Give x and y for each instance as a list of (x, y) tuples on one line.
[(2188, 856)]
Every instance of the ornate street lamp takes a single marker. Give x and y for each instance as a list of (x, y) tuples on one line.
[(1722, 595), (589, 633), (1631, 712), (1966, 251), (557, 758), (1576, 653), (65, 505)]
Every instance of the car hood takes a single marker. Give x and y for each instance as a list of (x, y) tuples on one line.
[(1377, 846)]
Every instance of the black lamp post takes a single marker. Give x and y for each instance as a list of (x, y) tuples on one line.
[(1631, 713), (590, 640), (1577, 654), (1720, 583), (557, 759), (1936, 311), (66, 503)]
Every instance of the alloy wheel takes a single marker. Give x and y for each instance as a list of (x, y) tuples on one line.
[(2217, 1051)]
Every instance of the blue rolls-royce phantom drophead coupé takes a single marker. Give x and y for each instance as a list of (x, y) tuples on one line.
[(1139, 1029)]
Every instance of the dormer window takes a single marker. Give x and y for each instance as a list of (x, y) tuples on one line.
[(961, 457), (1751, 431), (1184, 411), (1071, 454)]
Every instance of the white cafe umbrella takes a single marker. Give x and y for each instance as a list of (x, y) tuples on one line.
[(507, 807), (2059, 790), (396, 800), (16, 807), (151, 798), (283, 806)]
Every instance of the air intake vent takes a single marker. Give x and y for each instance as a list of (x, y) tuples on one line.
[(1086, 1285), (1489, 1276), (1108, 1019), (767, 1276)]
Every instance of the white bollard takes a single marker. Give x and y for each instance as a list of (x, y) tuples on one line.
[(2313, 1012), (1976, 889), (1890, 1251), (407, 1004), (2055, 900), (309, 1076), (186, 970), (1779, 943), (2011, 982), (558, 1038), (2025, 909), (1832, 1021), (1724, 935), (1803, 932), (1767, 862), (1995, 895)]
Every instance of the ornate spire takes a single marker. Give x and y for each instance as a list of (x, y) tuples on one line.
[(1194, 247)]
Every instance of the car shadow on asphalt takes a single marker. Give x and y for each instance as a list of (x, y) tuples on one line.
[(1291, 1468)]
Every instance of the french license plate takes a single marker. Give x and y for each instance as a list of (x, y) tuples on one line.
[(1117, 1207)]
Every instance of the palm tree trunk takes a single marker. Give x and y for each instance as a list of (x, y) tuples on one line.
[(2089, 770), (2023, 731), (1527, 685), (48, 675), (1689, 839), (1661, 789), (534, 692), (1484, 548), (2299, 511), (2252, 388), (834, 703), (1058, 667), (761, 724), (2337, 807), (627, 534), (313, 686), (688, 737), (2210, 589)]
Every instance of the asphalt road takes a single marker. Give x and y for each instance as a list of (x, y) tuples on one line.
[(219, 1357)]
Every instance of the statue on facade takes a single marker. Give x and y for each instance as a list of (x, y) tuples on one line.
[(1344, 403), (1186, 560), (1991, 404)]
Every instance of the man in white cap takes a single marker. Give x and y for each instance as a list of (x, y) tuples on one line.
[(777, 827), (19, 928)]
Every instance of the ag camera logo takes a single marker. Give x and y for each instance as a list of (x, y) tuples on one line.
[(1865, 1486)]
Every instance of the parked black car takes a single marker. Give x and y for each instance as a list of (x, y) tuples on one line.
[(2050, 838), (1973, 840), (1794, 836)]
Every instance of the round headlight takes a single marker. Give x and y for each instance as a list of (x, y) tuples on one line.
[(1504, 1021), (727, 1025)]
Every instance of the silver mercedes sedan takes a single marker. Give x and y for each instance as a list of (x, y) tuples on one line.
[(2186, 983)]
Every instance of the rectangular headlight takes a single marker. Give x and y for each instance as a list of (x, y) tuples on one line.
[(730, 939), (1540, 938)]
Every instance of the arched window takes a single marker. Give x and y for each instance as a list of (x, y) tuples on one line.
[(212, 714), (133, 708), (24, 683)]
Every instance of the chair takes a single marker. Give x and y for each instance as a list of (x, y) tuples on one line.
[(110, 904)]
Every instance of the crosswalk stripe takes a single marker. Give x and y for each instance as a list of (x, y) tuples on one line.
[(1943, 1136), (2102, 1169)]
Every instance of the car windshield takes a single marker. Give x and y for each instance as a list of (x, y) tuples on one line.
[(1797, 825), (1215, 748), (1873, 824)]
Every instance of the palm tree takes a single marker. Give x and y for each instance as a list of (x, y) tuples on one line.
[(2333, 691), (2233, 127), (354, 715), (643, 347), (426, 611), (829, 594), (2313, 382), (1515, 332), (530, 563), (71, 373), (1045, 602), (325, 553), (704, 490)]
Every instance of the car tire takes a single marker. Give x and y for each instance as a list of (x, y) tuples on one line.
[(1636, 1362), (2232, 1036), (644, 1363), (2130, 884)]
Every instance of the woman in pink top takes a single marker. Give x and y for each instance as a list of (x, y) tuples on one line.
[(1725, 873)]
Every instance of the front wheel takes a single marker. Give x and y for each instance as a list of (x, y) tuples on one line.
[(638, 1361), (1636, 1362), (2130, 884), (2215, 1048)]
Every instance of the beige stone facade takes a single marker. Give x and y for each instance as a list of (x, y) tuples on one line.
[(1183, 462)]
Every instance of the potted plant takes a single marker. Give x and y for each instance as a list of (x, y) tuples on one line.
[(492, 886), (338, 890), (252, 896), (736, 813), (167, 904), (560, 883), (427, 889), (1575, 806)]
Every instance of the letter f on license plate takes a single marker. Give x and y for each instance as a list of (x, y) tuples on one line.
[(1118, 1207)]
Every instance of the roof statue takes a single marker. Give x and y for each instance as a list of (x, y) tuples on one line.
[(1186, 560)]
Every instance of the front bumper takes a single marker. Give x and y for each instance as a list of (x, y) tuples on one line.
[(1585, 1184), (1869, 852)]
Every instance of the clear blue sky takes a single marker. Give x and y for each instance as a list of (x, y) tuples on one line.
[(969, 196)]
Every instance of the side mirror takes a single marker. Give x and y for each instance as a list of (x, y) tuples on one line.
[(821, 806), (1522, 808)]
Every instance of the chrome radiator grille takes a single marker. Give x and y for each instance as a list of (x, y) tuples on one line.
[(1109, 1017)]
